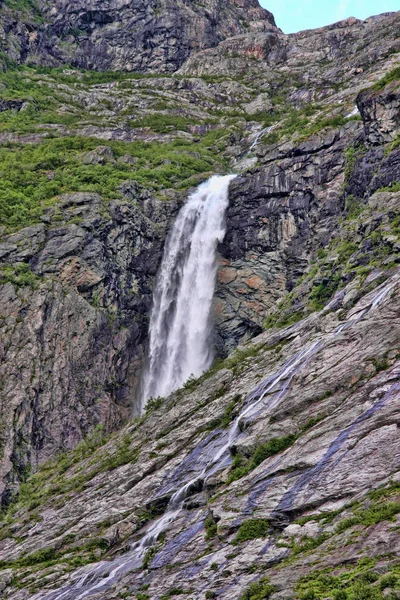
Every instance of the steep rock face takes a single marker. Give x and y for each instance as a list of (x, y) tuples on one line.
[(72, 344), (335, 49), (289, 205), (319, 440), (154, 35), (380, 113), (278, 218)]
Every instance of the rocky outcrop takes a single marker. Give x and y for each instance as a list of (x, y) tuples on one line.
[(279, 216), (289, 207), (317, 439), (72, 333), (337, 47), (381, 113), (154, 35)]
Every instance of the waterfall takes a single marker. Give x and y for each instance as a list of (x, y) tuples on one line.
[(180, 325)]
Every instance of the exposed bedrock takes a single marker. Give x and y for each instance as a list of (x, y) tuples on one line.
[(287, 208), (278, 216), (132, 35), (72, 343)]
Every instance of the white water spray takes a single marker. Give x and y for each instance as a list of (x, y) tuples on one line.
[(180, 324)]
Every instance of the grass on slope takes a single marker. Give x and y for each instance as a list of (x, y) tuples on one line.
[(34, 175)]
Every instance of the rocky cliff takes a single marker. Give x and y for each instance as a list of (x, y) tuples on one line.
[(302, 499), (151, 35)]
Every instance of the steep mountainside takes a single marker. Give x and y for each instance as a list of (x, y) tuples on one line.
[(145, 35), (286, 451)]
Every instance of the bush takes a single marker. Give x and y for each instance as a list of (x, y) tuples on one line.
[(26, 188), (153, 403), (210, 527), (240, 467), (162, 123), (251, 530), (392, 75), (322, 292), (19, 275), (261, 590)]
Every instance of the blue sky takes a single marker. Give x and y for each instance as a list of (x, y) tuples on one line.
[(296, 15)]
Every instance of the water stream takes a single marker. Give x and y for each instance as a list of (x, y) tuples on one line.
[(263, 398), (181, 325)]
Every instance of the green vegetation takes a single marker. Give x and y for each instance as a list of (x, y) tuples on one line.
[(35, 175), (277, 319), (210, 527), (50, 481), (251, 530), (28, 9), (230, 412), (148, 557), (354, 207), (261, 590), (153, 404), (377, 512), (379, 505), (395, 225), (237, 362), (50, 556), (22, 5), (19, 275), (352, 154), (304, 123), (323, 291), (163, 123), (363, 244), (391, 76), (358, 583), (174, 592), (242, 466), (393, 187)]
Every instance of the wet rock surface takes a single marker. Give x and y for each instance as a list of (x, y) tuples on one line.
[(327, 387)]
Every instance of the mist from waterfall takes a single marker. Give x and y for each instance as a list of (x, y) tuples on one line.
[(181, 325)]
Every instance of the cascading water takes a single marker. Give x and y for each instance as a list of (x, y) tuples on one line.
[(180, 324), (263, 398)]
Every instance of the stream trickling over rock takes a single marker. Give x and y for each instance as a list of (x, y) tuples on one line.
[(181, 325), (267, 395)]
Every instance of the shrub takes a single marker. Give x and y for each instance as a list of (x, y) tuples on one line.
[(392, 75), (153, 403), (210, 527), (261, 590), (322, 292), (251, 530), (389, 581), (241, 467), (162, 123), (19, 275)]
